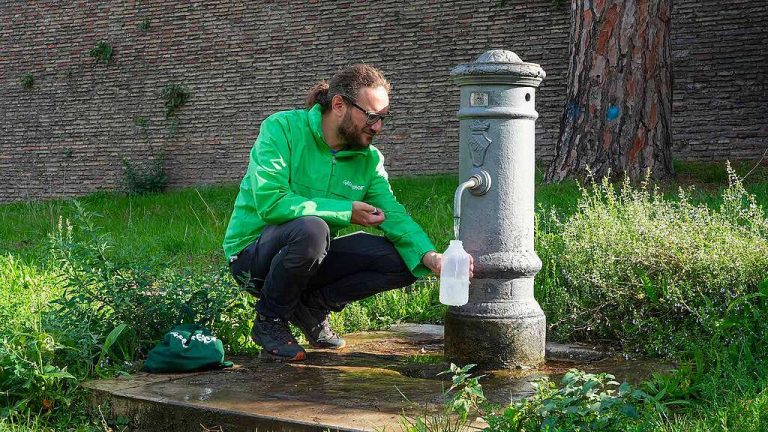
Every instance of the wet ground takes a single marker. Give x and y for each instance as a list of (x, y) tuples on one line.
[(379, 379)]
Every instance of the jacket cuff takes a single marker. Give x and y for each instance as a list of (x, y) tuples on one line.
[(411, 251)]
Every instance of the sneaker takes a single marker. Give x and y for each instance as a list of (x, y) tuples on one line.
[(276, 339), (315, 326)]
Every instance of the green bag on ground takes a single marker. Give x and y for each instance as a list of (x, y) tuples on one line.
[(187, 348)]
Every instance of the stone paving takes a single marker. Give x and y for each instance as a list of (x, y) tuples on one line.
[(377, 381)]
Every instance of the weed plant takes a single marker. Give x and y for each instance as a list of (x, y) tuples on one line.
[(27, 80), (650, 273), (149, 299), (28, 377), (147, 178), (583, 402), (175, 96), (143, 25), (102, 52)]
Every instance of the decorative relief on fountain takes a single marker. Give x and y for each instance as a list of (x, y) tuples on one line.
[(479, 141)]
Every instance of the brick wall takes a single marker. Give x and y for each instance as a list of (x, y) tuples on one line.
[(68, 133), (720, 76)]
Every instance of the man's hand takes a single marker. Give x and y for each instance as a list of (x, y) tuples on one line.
[(433, 261), (366, 214)]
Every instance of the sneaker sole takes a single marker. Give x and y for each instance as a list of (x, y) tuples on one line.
[(315, 344), (264, 354), (334, 347)]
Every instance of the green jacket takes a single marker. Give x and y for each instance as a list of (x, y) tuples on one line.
[(293, 173)]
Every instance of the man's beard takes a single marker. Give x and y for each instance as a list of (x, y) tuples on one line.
[(350, 135)]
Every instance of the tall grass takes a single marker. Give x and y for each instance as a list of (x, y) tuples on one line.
[(32, 381), (652, 273)]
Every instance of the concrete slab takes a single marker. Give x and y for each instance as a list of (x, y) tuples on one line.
[(370, 385)]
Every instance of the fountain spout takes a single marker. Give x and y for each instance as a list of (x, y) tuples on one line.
[(478, 184)]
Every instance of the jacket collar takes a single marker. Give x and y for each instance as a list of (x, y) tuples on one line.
[(316, 124)]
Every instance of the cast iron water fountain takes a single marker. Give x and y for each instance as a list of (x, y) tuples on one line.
[(502, 326)]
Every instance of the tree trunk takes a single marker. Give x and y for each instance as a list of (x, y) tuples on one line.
[(618, 113)]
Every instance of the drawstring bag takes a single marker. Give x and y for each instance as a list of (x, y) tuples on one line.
[(187, 348)]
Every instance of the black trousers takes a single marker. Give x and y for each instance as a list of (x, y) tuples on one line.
[(298, 262)]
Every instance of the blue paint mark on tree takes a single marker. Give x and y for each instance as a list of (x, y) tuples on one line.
[(613, 112), (573, 110)]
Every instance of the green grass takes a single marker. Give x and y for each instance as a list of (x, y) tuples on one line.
[(183, 229), (187, 226)]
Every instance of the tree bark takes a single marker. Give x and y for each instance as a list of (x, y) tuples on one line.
[(618, 112)]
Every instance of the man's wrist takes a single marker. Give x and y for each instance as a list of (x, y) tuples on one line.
[(428, 259)]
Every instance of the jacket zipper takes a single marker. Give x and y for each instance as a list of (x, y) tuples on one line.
[(330, 177)]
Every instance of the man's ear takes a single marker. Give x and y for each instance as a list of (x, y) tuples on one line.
[(338, 106)]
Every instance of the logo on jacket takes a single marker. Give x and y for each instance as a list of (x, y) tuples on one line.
[(352, 186)]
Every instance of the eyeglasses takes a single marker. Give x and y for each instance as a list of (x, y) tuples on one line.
[(371, 117)]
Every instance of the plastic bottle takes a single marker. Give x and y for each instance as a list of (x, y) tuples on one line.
[(454, 275)]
